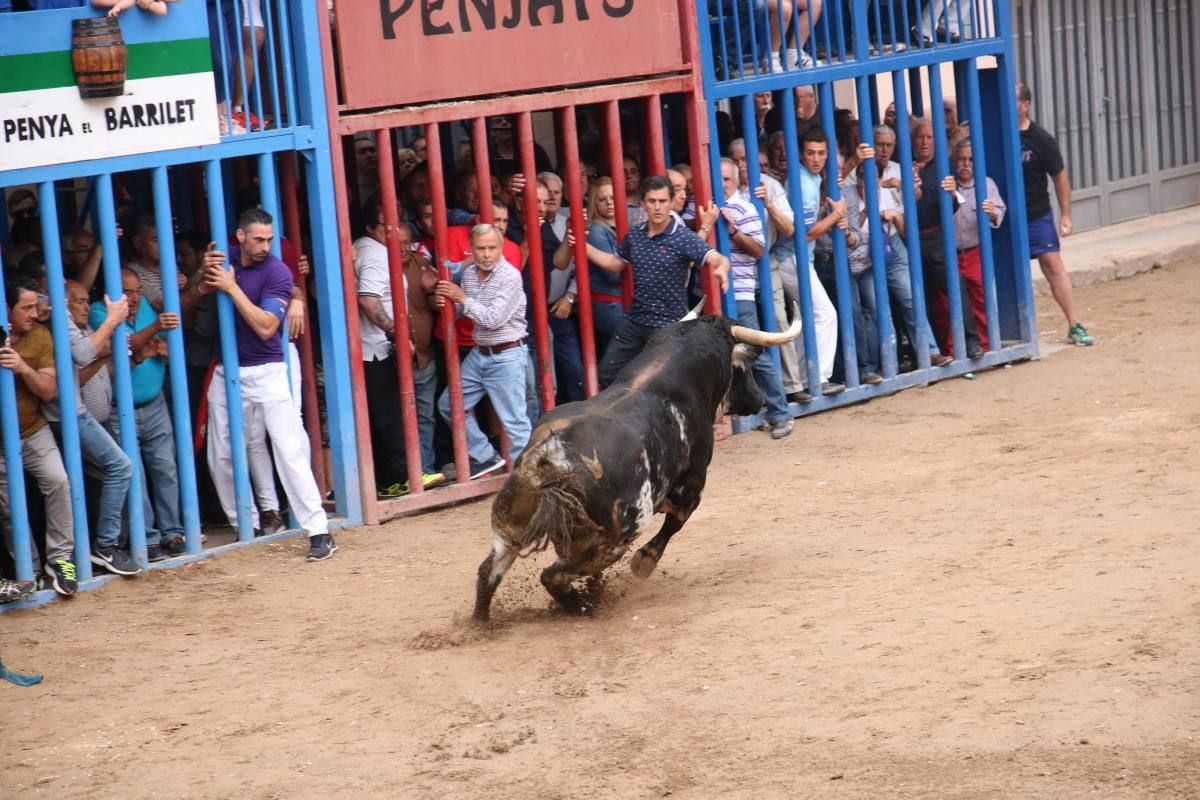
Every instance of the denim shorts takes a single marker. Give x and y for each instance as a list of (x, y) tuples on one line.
[(1043, 236)]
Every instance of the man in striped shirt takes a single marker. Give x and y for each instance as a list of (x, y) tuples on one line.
[(747, 243), (492, 296)]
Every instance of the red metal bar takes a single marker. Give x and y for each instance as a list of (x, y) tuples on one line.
[(401, 335), (308, 370), (697, 127), (616, 168), (656, 160), (366, 467), (533, 240), (513, 104), (483, 170), (583, 281), (437, 182)]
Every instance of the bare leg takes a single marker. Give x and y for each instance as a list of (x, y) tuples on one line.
[(808, 12), (491, 572), (252, 41), (776, 8), (1060, 283)]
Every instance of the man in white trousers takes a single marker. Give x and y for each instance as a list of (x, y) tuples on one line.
[(260, 286)]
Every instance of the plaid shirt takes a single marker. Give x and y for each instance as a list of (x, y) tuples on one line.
[(495, 305)]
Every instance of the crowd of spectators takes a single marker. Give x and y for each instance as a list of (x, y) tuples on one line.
[(491, 292)]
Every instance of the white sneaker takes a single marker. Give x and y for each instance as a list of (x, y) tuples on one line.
[(774, 64)]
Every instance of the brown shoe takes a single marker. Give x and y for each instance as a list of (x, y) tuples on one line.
[(939, 360), (270, 522)]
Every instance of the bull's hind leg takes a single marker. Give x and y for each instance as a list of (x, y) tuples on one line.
[(491, 572), (646, 558), (557, 578)]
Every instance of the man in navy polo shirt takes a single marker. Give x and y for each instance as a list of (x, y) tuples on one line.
[(662, 251), (260, 286)]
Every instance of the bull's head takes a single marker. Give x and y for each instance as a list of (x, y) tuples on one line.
[(743, 397)]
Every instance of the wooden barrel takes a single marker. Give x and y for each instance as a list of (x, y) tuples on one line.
[(99, 57)]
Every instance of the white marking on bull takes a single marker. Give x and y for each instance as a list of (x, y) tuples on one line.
[(681, 423), (645, 500)]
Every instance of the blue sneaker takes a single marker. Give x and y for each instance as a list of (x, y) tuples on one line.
[(479, 470)]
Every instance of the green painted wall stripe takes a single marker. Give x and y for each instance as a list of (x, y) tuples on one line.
[(35, 71)]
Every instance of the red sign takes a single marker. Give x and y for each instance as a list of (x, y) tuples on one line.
[(402, 52)]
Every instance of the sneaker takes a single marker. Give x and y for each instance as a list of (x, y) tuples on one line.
[(1079, 336), (829, 388), (780, 429), (975, 352), (154, 552), (393, 491), (270, 522), (62, 577), (248, 122), (115, 561), (774, 63), (478, 470), (321, 547), (225, 128), (872, 378), (939, 360), (432, 480), (15, 590), (450, 471), (175, 546)]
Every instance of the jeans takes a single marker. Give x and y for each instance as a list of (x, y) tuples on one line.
[(502, 378), (568, 359), (900, 285), (606, 316), (626, 344), (765, 375), (110, 464), (160, 484), (425, 385), (866, 320)]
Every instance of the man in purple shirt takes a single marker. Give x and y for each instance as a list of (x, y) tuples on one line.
[(260, 286)]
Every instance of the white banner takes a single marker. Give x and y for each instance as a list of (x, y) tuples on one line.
[(55, 126)]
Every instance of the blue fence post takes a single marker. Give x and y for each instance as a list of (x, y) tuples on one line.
[(840, 266), (946, 214), (766, 306), (812, 366), (979, 156), (122, 371), (318, 170), (64, 369), (181, 415), (229, 360), (912, 236), (14, 467)]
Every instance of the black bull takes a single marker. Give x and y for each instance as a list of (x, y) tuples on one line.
[(595, 473)]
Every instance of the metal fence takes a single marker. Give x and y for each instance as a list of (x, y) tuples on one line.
[(278, 148), (1116, 83)]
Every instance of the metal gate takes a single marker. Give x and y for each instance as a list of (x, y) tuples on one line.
[(1116, 83)]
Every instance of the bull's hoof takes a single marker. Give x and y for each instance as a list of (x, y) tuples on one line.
[(642, 565)]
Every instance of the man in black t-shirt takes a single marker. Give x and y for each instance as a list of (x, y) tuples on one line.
[(1041, 158)]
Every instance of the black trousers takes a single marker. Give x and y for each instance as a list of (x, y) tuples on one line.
[(625, 345), (387, 426)]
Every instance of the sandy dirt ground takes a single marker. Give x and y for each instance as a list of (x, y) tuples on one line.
[(977, 589)]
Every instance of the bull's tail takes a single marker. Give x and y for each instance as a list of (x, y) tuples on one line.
[(543, 503)]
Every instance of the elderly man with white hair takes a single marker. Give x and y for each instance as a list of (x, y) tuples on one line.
[(492, 296)]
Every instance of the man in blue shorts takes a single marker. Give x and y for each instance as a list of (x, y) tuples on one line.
[(1040, 157)]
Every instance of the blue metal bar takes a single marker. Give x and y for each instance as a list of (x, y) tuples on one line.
[(946, 212), (181, 416), (223, 41), (272, 70), (240, 56), (912, 237), (766, 305), (707, 64), (64, 369), (1014, 183), (286, 43), (728, 304), (256, 76), (812, 365), (14, 467), (840, 266), (229, 360), (327, 275), (979, 156), (122, 371)]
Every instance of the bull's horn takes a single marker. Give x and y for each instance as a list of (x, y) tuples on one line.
[(765, 339), (694, 313)]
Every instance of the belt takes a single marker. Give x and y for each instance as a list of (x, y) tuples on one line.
[(148, 402), (605, 298), (962, 250), (492, 349), (928, 231)]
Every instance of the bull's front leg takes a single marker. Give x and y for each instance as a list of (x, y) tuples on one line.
[(558, 579), (491, 572)]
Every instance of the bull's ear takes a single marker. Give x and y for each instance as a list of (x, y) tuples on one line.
[(744, 355)]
